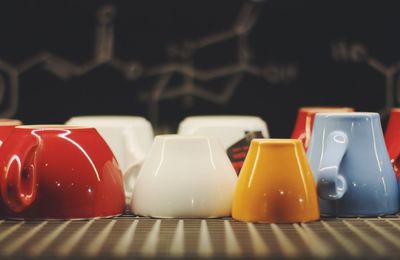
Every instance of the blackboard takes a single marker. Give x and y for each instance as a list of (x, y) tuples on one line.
[(169, 59)]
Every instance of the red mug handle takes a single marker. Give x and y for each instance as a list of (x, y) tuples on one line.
[(394, 154), (18, 179), (395, 162)]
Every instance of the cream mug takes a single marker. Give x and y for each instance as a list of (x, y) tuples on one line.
[(184, 177)]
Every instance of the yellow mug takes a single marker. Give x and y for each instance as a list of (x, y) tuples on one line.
[(276, 184)]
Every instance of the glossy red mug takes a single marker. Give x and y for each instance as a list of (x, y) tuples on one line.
[(392, 140), (6, 127), (60, 172), (305, 121)]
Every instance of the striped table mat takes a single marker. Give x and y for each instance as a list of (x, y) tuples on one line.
[(128, 236)]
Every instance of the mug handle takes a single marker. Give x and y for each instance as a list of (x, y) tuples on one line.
[(18, 179), (130, 177), (330, 184), (395, 161), (132, 150)]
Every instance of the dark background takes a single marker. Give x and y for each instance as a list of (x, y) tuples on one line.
[(307, 53)]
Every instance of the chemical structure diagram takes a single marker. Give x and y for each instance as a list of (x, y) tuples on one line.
[(357, 53), (65, 69), (193, 79)]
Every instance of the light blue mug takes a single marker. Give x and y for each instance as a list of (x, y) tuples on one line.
[(351, 166)]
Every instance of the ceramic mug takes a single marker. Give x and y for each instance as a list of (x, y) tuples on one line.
[(392, 140), (6, 127), (276, 184), (129, 137), (234, 132), (305, 120), (351, 165), (59, 172), (184, 177)]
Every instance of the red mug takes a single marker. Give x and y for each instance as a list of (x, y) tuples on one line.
[(305, 121), (392, 140), (6, 127), (59, 172)]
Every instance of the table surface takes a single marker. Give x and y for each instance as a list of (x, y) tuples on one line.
[(128, 236)]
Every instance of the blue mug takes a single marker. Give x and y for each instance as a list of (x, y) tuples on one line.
[(351, 166)]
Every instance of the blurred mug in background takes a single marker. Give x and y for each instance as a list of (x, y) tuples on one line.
[(234, 132), (305, 121), (392, 140), (129, 137)]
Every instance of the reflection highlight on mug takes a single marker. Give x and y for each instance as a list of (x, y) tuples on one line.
[(64, 136)]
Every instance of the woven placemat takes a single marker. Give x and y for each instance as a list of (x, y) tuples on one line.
[(128, 236)]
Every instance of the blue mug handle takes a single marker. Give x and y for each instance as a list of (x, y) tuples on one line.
[(330, 184)]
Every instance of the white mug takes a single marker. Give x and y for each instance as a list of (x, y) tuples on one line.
[(228, 129), (129, 137), (234, 133), (184, 177)]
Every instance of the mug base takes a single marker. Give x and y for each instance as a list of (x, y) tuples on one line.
[(375, 215), (276, 222), (180, 217), (59, 219)]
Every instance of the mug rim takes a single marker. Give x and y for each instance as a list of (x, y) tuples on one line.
[(221, 117), (10, 122), (53, 127), (348, 114), (218, 121), (182, 137), (320, 109), (276, 141), (107, 119)]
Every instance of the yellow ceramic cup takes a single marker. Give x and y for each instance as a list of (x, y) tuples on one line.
[(275, 184)]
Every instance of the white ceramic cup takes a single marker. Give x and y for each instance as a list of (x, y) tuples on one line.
[(184, 177), (234, 132), (129, 137), (228, 129)]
